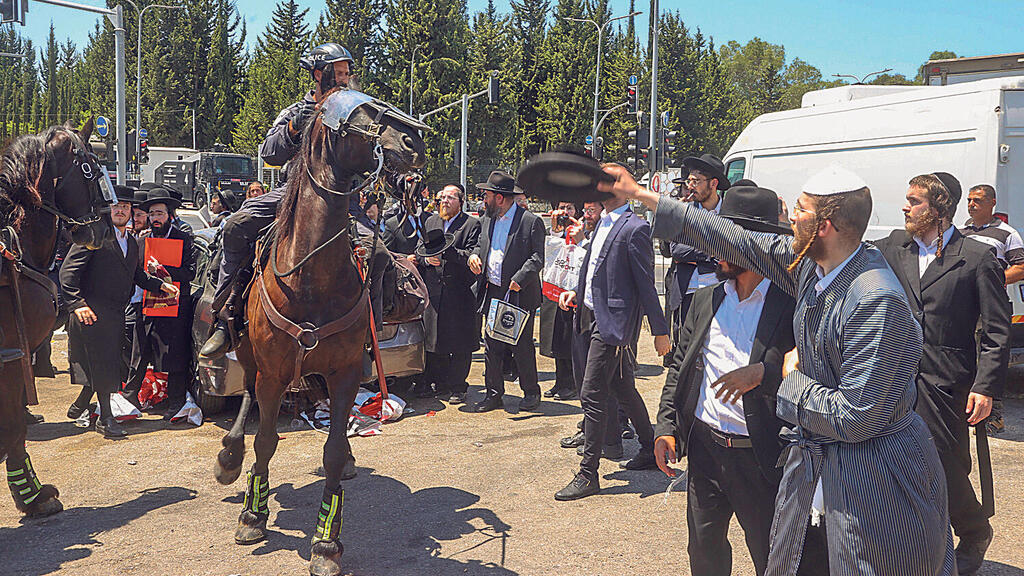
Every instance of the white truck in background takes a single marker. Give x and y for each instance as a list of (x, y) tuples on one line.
[(889, 134)]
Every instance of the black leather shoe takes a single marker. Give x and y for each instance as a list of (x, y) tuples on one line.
[(642, 461), (457, 398), (608, 451), (217, 344), (580, 487), (74, 411), (573, 441), (110, 428), (566, 394), (488, 403), (551, 393), (627, 433), (423, 391), (32, 419), (173, 409), (529, 402), (971, 555)]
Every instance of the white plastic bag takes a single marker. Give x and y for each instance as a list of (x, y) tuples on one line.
[(562, 265), (190, 412)]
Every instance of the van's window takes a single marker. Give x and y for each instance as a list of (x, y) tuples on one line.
[(233, 166), (735, 169)]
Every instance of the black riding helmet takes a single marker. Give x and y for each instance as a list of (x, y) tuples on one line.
[(323, 58)]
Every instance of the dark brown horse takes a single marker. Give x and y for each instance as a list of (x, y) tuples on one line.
[(45, 180), (308, 310)]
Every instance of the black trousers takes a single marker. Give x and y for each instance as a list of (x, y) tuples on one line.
[(449, 371), (721, 482), (580, 349), (523, 352), (966, 514), (563, 374), (132, 330), (609, 372)]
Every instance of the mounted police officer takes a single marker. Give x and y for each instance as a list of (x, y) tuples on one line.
[(330, 66)]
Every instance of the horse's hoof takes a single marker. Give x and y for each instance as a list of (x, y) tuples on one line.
[(325, 558), (251, 529), (224, 474), (46, 504)]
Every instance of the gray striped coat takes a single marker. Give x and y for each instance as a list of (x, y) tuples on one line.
[(850, 406)]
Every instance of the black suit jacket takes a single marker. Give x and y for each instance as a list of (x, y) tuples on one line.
[(524, 259), (449, 322), (772, 340), (400, 235), (963, 290)]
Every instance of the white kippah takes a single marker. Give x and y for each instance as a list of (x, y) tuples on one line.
[(833, 180)]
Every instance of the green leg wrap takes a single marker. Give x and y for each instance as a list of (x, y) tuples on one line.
[(23, 483), (257, 492), (328, 526)]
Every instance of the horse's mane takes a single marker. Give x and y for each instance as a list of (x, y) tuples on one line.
[(21, 169), (296, 171)]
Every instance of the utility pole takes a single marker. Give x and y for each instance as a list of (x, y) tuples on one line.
[(115, 15), (492, 97), (654, 76)]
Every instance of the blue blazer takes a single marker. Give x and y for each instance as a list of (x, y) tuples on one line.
[(623, 282)]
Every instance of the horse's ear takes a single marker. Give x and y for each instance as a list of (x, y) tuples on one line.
[(86, 131)]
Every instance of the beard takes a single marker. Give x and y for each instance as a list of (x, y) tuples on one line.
[(447, 213), (803, 243), (732, 273), (490, 210), (159, 228), (922, 224)]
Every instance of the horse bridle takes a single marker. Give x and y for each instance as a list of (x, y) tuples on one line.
[(372, 132), (101, 192)]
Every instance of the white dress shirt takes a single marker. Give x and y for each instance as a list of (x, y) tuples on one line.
[(824, 281), (727, 348), (926, 254), (698, 281), (122, 240), (604, 227), (499, 240), (448, 222)]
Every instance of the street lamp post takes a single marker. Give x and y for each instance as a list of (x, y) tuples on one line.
[(597, 76), (412, 62), (138, 67)]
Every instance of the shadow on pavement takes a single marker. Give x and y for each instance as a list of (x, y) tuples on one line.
[(389, 529), (43, 546), (990, 568), (643, 482)]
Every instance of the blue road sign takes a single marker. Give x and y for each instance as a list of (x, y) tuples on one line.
[(632, 80), (143, 133), (102, 126), (590, 139)]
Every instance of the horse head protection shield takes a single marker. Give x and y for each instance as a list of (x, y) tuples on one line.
[(101, 189)]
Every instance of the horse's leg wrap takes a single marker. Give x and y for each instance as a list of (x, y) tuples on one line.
[(328, 525), (24, 484), (257, 493)]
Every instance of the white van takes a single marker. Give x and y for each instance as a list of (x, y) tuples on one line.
[(889, 134)]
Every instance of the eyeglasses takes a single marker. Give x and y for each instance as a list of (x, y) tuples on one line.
[(157, 213), (591, 211), (797, 208), (694, 181)]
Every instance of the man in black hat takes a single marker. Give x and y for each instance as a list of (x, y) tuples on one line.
[(139, 223), (718, 404), (509, 260), (96, 284), (956, 290), (166, 341), (691, 269), (452, 327)]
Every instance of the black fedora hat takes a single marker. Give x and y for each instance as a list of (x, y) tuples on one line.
[(139, 197), (160, 195), (435, 240), (500, 182), (708, 164), (564, 177), (124, 193), (754, 208)]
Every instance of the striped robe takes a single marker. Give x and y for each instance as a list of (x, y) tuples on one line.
[(850, 406)]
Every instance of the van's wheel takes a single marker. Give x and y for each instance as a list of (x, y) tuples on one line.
[(210, 404)]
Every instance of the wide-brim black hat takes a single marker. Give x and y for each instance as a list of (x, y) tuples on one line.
[(708, 164), (160, 195), (435, 244), (564, 177), (500, 182), (754, 208), (125, 193)]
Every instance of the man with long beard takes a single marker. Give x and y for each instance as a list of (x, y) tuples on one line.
[(848, 389), (452, 326), (166, 342), (956, 290)]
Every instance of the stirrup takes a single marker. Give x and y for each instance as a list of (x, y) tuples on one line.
[(10, 355)]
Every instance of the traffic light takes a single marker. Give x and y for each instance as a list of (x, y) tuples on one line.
[(144, 151), (588, 149), (668, 156), (13, 11), (457, 153), (631, 105), (599, 149), (493, 90), (639, 149)]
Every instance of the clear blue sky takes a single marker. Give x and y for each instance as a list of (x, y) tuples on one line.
[(837, 36)]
